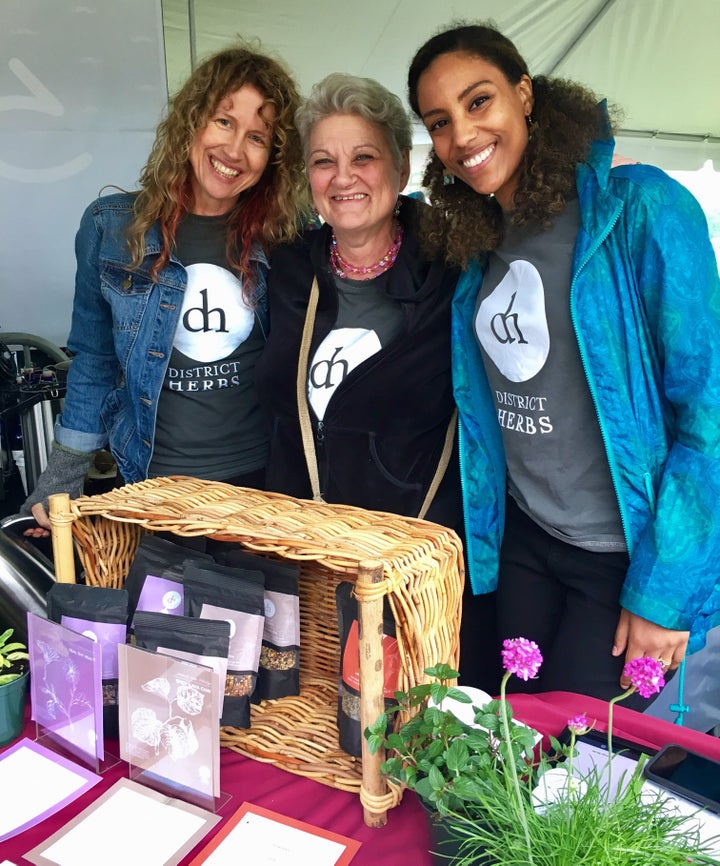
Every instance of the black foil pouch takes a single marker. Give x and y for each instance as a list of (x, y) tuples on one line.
[(348, 713), (202, 641), (236, 596), (279, 667), (155, 578), (102, 613)]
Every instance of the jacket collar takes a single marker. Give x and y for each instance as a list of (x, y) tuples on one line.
[(601, 151), (599, 206)]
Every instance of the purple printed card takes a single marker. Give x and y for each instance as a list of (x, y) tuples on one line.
[(66, 686)]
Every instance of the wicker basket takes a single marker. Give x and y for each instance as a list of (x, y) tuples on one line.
[(416, 564)]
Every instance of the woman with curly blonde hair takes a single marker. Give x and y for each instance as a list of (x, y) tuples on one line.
[(170, 310), (267, 214), (586, 366)]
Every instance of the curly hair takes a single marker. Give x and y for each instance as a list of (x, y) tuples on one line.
[(566, 118), (340, 93), (267, 213)]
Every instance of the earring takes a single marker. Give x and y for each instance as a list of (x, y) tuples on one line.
[(448, 178), (396, 211), (529, 121)]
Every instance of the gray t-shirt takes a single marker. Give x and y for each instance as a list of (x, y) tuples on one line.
[(557, 466), (367, 320), (209, 422)]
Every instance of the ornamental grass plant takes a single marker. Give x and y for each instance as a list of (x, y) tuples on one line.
[(505, 802)]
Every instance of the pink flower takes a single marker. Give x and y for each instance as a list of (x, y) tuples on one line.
[(646, 675), (521, 657), (579, 724)]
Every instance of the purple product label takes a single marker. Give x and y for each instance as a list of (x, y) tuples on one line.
[(160, 595), (245, 636), (107, 634), (282, 619)]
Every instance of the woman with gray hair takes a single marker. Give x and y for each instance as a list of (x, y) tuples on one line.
[(360, 410), (355, 376)]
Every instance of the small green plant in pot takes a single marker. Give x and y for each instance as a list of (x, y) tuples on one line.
[(503, 802), (445, 761), (14, 671), (13, 658)]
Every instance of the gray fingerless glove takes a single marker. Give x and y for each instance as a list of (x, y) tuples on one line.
[(65, 473)]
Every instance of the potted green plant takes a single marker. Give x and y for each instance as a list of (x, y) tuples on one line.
[(446, 761), (501, 801), (14, 673)]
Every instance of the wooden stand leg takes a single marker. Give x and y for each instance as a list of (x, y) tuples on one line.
[(61, 522), (370, 621)]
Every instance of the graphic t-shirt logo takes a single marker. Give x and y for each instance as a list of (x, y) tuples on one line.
[(511, 323), (339, 353), (214, 319)]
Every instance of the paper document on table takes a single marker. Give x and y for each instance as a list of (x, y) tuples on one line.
[(171, 829), (705, 822), (592, 757), (265, 838), (40, 782)]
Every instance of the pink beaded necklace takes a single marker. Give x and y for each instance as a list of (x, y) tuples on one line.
[(344, 269)]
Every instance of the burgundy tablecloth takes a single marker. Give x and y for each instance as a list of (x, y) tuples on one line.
[(404, 840)]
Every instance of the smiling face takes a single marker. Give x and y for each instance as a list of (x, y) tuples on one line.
[(231, 152), (477, 121), (353, 177)]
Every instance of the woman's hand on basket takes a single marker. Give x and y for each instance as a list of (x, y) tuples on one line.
[(42, 530), (65, 472)]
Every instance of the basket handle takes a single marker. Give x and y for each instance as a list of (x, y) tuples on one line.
[(61, 521)]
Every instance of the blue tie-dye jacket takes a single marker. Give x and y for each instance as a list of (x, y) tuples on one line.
[(645, 303)]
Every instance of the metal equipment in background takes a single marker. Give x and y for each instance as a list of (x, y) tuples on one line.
[(26, 576), (33, 380)]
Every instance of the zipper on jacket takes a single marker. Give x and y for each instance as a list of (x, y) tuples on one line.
[(612, 465)]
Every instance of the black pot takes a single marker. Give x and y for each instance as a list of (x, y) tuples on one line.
[(445, 850)]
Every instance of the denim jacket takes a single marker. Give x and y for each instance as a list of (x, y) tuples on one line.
[(122, 331), (645, 305)]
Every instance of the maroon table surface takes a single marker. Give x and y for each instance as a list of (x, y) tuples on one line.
[(404, 840)]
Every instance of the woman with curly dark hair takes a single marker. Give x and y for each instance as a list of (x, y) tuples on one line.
[(585, 366), (170, 311)]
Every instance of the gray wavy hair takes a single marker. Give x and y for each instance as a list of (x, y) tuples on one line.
[(340, 93)]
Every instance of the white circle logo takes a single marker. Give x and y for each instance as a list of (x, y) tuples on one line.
[(171, 600), (214, 319)]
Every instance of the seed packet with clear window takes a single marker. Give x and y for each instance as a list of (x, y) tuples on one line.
[(236, 596), (279, 668), (202, 641)]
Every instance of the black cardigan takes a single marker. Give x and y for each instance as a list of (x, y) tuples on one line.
[(384, 429)]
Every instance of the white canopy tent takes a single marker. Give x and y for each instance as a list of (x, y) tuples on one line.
[(657, 59), (82, 87)]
